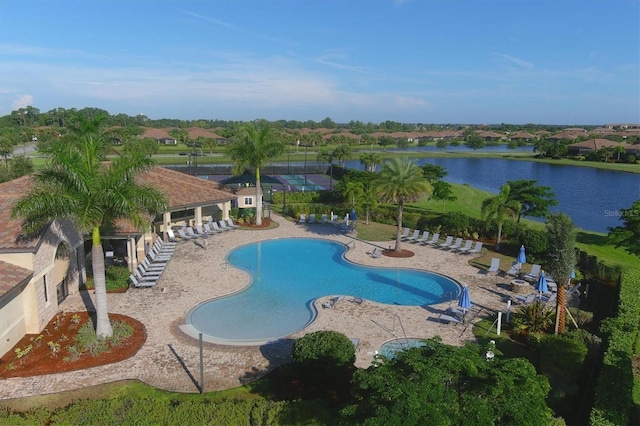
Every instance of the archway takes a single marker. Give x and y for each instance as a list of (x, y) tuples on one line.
[(62, 262)]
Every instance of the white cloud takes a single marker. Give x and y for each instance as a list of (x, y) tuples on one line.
[(519, 62), (22, 101)]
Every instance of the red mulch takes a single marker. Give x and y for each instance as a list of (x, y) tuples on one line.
[(41, 361), (266, 223), (399, 253)]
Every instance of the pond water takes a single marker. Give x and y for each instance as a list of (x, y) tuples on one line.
[(592, 197)]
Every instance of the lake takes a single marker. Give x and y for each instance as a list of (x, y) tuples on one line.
[(592, 197)]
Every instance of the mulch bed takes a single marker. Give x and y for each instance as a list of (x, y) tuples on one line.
[(400, 253), (62, 330)]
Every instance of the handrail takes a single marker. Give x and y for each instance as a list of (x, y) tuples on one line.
[(406, 339)]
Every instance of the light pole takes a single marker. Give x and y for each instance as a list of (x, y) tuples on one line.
[(305, 165), (288, 161)]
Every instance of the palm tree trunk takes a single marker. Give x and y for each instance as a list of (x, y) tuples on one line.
[(560, 309), (499, 236), (399, 230), (103, 325), (258, 198)]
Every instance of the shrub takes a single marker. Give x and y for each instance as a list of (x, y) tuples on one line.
[(328, 348), (455, 223), (535, 241)]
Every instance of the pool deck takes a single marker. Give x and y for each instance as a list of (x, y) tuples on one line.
[(169, 359)]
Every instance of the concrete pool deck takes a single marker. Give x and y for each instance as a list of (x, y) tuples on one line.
[(169, 359)]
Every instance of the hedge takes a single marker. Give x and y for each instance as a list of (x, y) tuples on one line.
[(613, 393)]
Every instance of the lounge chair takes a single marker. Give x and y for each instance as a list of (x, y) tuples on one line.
[(534, 274), (334, 218), (303, 218), (210, 230), (171, 235), (356, 342), (184, 236), (456, 244), (495, 266), (575, 290), (514, 270), (375, 253), (423, 239), (433, 241), (357, 300), (323, 219), (333, 302), (190, 232), (230, 224), (312, 218), (447, 242), (141, 284), (548, 298), (525, 300), (405, 233), (160, 248), (143, 275), (448, 319), (414, 236), (477, 248), (466, 247), (224, 226), (217, 228), (148, 266)]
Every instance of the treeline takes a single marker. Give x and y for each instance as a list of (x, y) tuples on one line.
[(61, 117)]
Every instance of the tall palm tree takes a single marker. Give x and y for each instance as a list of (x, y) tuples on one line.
[(77, 184), (561, 259), (499, 208), (252, 148), (401, 181)]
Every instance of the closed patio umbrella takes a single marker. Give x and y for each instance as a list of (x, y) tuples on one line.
[(541, 284), (353, 214), (522, 256), (464, 301)]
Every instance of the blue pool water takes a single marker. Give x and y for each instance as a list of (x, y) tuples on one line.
[(287, 275), (392, 347)]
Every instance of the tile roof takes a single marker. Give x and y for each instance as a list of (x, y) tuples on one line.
[(597, 144), (11, 276), (156, 133), (182, 190), (195, 132)]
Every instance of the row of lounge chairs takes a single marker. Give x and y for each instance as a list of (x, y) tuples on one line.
[(187, 233), (153, 264), (448, 244)]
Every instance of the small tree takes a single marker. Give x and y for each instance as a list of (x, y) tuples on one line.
[(628, 235), (499, 208), (561, 259)]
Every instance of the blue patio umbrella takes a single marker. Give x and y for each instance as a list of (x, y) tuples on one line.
[(353, 214), (464, 301), (522, 257), (541, 285)]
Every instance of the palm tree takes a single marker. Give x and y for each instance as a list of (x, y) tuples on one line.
[(353, 191), (76, 184), (252, 148), (369, 201), (370, 160), (499, 208), (561, 259), (401, 181)]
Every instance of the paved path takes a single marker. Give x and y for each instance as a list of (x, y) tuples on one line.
[(170, 360)]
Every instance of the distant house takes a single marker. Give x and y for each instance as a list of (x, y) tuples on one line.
[(584, 147)]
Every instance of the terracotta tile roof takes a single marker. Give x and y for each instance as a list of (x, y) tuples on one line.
[(195, 132), (11, 276), (156, 133), (10, 229), (597, 144)]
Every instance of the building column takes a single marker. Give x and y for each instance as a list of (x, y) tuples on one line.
[(198, 216)]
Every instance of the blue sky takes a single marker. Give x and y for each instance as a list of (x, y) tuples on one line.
[(427, 61)]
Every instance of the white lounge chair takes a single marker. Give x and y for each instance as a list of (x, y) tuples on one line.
[(303, 218), (323, 219), (334, 218), (184, 236), (230, 224), (514, 270), (433, 240), (141, 284), (423, 239), (312, 218), (456, 244), (495, 266), (448, 319), (466, 247), (375, 253), (190, 232), (171, 235), (141, 275), (525, 300), (477, 248), (405, 233), (414, 236), (534, 274), (148, 266), (217, 228), (575, 290), (224, 226), (210, 230), (447, 242)]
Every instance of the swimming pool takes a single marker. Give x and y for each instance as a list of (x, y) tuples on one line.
[(392, 347), (288, 274)]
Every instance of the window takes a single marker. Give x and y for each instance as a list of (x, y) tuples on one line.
[(44, 285), (248, 201)]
